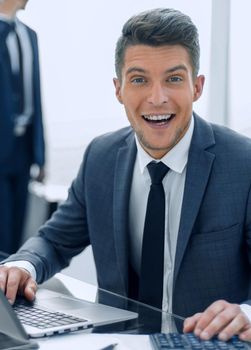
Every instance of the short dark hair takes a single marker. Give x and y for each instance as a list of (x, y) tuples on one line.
[(159, 27)]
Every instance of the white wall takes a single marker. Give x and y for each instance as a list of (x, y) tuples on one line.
[(240, 72), (77, 41)]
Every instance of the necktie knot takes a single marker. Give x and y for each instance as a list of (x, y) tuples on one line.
[(157, 172), (11, 26)]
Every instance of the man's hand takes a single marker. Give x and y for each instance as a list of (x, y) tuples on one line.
[(15, 280), (220, 318), (40, 175), (37, 173)]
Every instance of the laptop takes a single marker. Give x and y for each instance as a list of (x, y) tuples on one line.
[(12, 333), (55, 313)]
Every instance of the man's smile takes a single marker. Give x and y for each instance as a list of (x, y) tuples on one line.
[(158, 119)]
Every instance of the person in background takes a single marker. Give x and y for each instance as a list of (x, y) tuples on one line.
[(21, 127), (165, 203)]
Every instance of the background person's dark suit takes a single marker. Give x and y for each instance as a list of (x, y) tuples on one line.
[(16, 153), (214, 242)]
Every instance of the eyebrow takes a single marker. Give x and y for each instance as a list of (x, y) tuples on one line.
[(170, 70), (135, 69), (175, 68)]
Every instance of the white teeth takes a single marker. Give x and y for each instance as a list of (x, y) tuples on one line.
[(158, 117)]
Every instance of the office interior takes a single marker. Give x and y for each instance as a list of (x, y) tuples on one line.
[(77, 41)]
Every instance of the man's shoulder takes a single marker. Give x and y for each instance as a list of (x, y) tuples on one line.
[(230, 139), (114, 138), (222, 136), (103, 150)]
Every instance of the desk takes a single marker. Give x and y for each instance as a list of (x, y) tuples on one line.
[(95, 342), (127, 339)]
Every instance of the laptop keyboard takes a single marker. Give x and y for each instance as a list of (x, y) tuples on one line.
[(35, 316), (189, 341)]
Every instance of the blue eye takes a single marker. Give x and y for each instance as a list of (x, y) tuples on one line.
[(139, 80), (175, 79)]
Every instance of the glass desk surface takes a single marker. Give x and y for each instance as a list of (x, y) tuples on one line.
[(147, 319), (134, 332)]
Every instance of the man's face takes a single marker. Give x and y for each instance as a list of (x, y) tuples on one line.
[(157, 90)]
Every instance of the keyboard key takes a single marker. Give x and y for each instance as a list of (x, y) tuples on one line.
[(37, 317), (189, 341)]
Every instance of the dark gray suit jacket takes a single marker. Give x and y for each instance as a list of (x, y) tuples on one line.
[(214, 242)]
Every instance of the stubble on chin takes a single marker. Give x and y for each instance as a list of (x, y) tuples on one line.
[(180, 132)]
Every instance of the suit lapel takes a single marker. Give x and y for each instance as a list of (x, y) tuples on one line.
[(199, 166), (122, 185)]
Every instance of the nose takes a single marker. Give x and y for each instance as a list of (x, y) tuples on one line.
[(157, 95)]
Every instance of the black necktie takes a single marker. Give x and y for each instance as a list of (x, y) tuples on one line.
[(152, 257)]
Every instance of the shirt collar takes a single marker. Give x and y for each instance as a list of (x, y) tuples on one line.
[(175, 159)]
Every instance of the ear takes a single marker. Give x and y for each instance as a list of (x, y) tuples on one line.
[(117, 85), (198, 87)]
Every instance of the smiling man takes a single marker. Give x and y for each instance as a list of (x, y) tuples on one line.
[(165, 203)]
